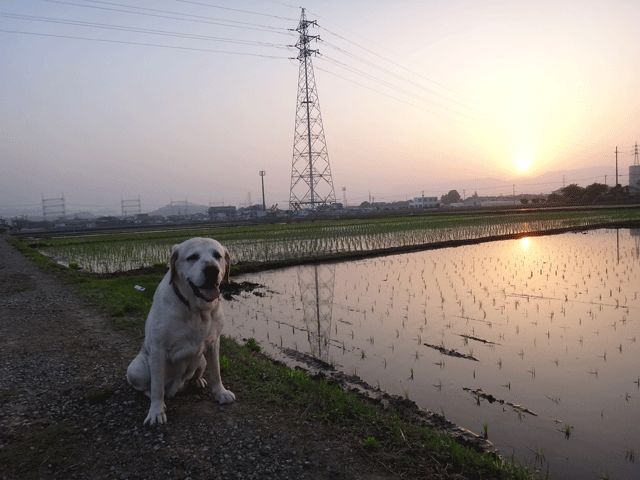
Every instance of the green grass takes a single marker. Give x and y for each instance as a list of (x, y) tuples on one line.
[(371, 444)]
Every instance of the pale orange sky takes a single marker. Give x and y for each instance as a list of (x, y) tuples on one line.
[(411, 94)]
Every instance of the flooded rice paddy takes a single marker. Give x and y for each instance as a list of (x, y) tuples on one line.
[(536, 338)]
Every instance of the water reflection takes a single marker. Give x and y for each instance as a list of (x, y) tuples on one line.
[(552, 323), (316, 293)]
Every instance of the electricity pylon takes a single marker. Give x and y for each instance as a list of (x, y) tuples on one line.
[(311, 182)]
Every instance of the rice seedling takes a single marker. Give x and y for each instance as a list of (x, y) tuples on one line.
[(630, 454), (539, 455)]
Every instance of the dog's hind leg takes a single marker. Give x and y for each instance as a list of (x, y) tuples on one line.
[(138, 373)]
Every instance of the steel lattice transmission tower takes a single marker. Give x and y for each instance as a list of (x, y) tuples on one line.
[(311, 182)]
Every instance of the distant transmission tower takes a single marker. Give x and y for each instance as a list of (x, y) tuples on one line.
[(53, 208), (131, 207), (311, 182)]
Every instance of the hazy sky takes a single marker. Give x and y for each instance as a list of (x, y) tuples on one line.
[(121, 98)]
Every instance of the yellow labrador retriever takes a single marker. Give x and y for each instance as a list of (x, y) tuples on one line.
[(182, 332)]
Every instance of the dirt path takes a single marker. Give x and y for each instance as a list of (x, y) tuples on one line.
[(66, 410)]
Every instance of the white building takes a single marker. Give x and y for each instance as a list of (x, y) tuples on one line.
[(424, 202)]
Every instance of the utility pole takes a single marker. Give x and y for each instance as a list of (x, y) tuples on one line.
[(311, 181), (616, 166), (262, 174)]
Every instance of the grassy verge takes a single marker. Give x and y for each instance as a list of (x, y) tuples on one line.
[(414, 451), (404, 448)]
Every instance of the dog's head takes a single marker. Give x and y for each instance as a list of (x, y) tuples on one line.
[(199, 265)]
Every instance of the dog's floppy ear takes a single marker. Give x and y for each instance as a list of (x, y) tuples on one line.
[(172, 262), (227, 266)]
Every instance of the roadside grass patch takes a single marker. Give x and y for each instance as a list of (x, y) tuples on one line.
[(253, 345), (371, 444)]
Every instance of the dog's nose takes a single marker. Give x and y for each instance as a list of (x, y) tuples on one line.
[(211, 273)]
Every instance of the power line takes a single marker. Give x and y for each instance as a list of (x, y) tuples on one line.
[(417, 85), (426, 110), (274, 57), (228, 8), (412, 72), (550, 139), (139, 30), (191, 18)]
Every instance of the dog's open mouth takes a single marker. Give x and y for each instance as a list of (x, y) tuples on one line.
[(208, 294)]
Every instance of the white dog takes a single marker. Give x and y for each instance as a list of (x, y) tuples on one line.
[(182, 332)]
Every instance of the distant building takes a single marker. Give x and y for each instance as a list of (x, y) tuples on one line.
[(424, 202), (222, 213), (634, 179)]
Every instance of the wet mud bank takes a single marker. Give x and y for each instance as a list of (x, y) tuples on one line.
[(407, 409)]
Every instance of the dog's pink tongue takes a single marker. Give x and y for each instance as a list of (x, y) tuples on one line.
[(210, 294)]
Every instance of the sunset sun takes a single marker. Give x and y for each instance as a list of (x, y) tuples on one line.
[(523, 164)]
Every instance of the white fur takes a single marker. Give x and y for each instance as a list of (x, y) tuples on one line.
[(180, 340)]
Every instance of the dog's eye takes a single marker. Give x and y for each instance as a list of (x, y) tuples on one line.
[(193, 258), (217, 255)]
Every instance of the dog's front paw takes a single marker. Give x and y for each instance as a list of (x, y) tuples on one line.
[(156, 415), (222, 395)]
